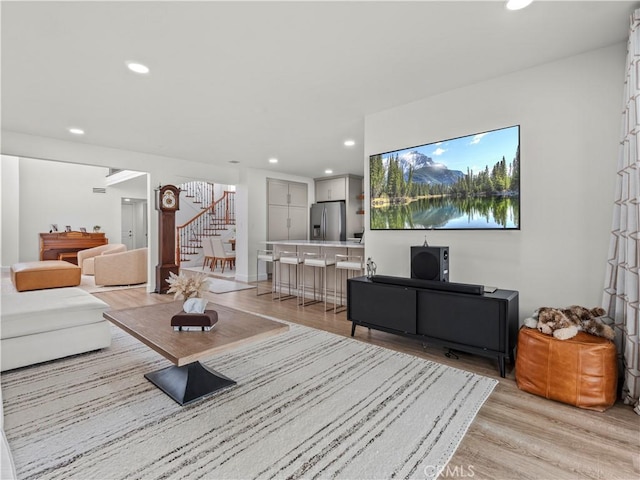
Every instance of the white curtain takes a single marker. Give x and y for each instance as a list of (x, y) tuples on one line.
[(621, 292)]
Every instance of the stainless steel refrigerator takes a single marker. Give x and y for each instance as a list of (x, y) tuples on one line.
[(328, 221)]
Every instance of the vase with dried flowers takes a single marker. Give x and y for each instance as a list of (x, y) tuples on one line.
[(185, 287)]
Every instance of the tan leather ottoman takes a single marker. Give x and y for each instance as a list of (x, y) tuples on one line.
[(580, 371), (44, 274)]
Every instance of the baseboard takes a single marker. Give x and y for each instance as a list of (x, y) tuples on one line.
[(244, 279)]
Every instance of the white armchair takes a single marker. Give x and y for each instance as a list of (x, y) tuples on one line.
[(124, 268), (87, 256)]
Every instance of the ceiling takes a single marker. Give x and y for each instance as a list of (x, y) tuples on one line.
[(247, 81)]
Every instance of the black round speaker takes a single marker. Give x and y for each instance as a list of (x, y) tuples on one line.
[(425, 266)]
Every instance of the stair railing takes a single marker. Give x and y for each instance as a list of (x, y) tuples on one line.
[(224, 209), (199, 192), (210, 221)]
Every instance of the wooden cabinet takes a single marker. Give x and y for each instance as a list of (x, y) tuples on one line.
[(479, 324), (65, 245), (287, 211)]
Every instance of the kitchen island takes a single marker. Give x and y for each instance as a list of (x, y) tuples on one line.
[(318, 243), (330, 248)]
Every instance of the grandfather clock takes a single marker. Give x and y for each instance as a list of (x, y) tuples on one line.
[(167, 202)]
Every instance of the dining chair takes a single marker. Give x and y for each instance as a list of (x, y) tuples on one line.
[(220, 255), (207, 249)]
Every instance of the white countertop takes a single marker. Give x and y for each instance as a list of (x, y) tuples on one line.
[(321, 243)]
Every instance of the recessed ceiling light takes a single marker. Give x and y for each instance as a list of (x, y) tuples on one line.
[(328, 170), (76, 131), (349, 143), (518, 4), (137, 67), (273, 160)]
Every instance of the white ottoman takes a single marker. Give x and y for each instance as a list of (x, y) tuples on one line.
[(42, 325)]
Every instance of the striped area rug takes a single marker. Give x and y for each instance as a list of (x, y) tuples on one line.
[(218, 285), (308, 404)]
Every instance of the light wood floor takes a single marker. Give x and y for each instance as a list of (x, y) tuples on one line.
[(515, 435)]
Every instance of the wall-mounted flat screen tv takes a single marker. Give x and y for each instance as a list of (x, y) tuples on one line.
[(464, 183)]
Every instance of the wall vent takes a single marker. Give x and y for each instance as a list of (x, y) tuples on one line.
[(99, 190)]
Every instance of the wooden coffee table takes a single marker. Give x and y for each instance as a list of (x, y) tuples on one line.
[(188, 380)]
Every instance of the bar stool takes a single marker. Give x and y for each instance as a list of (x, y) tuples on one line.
[(349, 264), (289, 259), (321, 262), (268, 257)]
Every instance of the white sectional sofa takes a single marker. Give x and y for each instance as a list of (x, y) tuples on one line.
[(43, 325), (7, 468)]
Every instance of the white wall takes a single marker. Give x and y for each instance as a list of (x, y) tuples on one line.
[(251, 188), (161, 170), (251, 212), (135, 190), (61, 193), (9, 192), (569, 112)]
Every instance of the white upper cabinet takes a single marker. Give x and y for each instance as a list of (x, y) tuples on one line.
[(287, 210), (331, 189), (278, 192), (298, 195)]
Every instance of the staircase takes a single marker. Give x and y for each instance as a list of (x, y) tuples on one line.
[(215, 217)]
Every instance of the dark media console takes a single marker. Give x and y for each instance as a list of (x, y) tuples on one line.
[(453, 315), (469, 288)]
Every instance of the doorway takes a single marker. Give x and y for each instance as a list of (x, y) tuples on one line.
[(134, 223)]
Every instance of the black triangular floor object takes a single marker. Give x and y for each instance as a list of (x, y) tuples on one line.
[(189, 383)]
